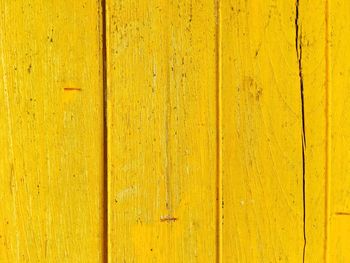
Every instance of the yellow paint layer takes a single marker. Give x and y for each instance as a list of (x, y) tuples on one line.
[(50, 131), (312, 48), (339, 121), (227, 131), (262, 129), (162, 131)]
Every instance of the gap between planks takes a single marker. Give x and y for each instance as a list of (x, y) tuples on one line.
[(327, 133), (219, 184), (103, 17)]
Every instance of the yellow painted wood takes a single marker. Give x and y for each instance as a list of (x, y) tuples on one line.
[(339, 122), (162, 131), (50, 131), (262, 133), (313, 51), (227, 131), (277, 137)]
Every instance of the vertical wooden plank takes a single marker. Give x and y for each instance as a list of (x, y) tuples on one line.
[(51, 161), (325, 75), (262, 144), (312, 59), (161, 130), (339, 183)]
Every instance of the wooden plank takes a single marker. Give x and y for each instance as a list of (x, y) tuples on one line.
[(51, 129), (311, 46), (339, 126), (161, 131), (262, 133), (324, 70)]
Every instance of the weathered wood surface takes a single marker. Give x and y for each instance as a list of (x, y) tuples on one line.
[(262, 133), (161, 131), (51, 107), (186, 131)]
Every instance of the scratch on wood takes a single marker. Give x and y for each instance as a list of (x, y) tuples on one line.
[(299, 50), (342, 213), (168, 218), (70, 89), (167, 146)]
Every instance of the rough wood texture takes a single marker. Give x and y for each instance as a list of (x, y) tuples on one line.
[(262, 133), (50, 132), (222, 135), (312, 49), (162, 131), (339, 122)]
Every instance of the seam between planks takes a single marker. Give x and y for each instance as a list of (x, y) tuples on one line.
[(219, 185), (103, 17), (327, 134)]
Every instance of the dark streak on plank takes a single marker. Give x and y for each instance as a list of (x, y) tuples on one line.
[(168, 218), (342, 213), (70, 89), (298, 46)]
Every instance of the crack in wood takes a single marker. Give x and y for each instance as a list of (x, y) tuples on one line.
[(299, 51)]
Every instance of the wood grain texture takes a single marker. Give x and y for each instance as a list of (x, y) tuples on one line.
[(339, 155), (174, 131), (50, 131), (161, 131), (262, 126), (312, 46)]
